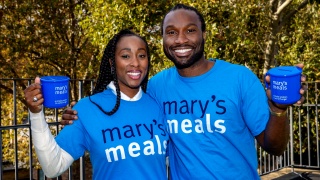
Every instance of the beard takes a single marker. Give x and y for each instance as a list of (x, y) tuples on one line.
[(187, 62)]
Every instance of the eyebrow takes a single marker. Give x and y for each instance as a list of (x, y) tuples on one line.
[(129, 49), (190, 24)]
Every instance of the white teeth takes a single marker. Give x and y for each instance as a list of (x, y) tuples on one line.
[(182, 50), (134, 73)]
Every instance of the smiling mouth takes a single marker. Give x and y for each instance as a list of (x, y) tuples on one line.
[(182, 50), (134, 75)]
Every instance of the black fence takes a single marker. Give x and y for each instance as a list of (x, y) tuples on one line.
[(19, 160)]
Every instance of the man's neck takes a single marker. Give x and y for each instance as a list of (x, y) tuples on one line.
[(196, 69)]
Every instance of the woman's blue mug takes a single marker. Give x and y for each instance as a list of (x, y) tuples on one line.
[(285, 84), (55, 90)]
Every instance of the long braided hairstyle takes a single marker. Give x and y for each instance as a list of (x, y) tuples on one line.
[(108, 73)]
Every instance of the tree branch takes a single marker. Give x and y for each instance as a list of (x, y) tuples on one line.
[(283, 6), (293, 12)]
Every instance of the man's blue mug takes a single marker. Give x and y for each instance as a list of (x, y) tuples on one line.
[(285, 84)]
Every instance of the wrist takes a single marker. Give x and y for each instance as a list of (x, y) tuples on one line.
[(278, 114), (273, 105)]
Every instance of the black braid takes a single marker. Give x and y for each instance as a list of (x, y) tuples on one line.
[(108, 73)]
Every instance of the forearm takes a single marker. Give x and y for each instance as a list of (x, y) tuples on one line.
[(275, 137), (54, 160)]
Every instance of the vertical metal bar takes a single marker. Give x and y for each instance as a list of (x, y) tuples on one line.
[(300, 140), (70, 173), (317, 124), (260, 161), (308, 128), (269, 162), (30, 144), (291, 135), (82, 162), (92, 86), (1, 158), (15, 130), (265, 162), (285, 154)]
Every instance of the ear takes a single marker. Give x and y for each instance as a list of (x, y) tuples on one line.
[(204, 35)]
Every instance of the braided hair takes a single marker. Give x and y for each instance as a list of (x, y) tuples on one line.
[(185, 7), (108, 73)]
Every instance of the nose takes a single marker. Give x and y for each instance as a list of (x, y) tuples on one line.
[(134, 62), (181, 38)]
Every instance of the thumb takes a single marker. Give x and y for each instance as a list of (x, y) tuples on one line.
[(37, 80)]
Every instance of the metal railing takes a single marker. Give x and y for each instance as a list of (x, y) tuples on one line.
[(18, 156), (303, 147)]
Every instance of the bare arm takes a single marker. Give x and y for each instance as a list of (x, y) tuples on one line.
[(275, 137)]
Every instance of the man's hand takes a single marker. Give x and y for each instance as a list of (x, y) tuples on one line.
[(69, 115), (282, 106)]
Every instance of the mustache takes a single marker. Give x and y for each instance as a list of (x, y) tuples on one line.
[(182, 46)]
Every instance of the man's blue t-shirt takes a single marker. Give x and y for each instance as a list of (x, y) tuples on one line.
[(130, 144), (212, 120)]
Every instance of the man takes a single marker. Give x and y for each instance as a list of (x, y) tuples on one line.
[(214, 109)]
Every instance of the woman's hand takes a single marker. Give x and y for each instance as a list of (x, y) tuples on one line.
[(33, 96)]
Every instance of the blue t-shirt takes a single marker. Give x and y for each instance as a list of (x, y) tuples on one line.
[(130, 144), (212, 120)]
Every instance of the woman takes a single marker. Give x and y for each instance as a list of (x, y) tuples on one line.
[(119, 124)]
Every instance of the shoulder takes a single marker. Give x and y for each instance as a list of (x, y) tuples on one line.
[(86, 102), (150, 101), (147, 97), (163, 74), (233, 68), (161, 79)]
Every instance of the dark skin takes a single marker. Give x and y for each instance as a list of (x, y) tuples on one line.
[(182, 32)]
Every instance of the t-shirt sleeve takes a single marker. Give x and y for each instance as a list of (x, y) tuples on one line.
[(72, 138), (254, 103), (151, 87)]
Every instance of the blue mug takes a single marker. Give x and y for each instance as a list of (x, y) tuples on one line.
[(285, 84), (55, 91)]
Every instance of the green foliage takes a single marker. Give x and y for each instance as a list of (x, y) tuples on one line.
[(301, 42), (47, 37)]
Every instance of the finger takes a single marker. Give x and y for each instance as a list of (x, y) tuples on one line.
[(66, 122), (68, 117), (300, 65), (36, 107), (301, 91), (34, 95), (33, 87), (267, 78), (303, 78), (37, 80), (69, 111), (300, 102), (73, 103)]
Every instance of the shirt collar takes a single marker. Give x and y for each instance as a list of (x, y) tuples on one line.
[(123, 96)]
